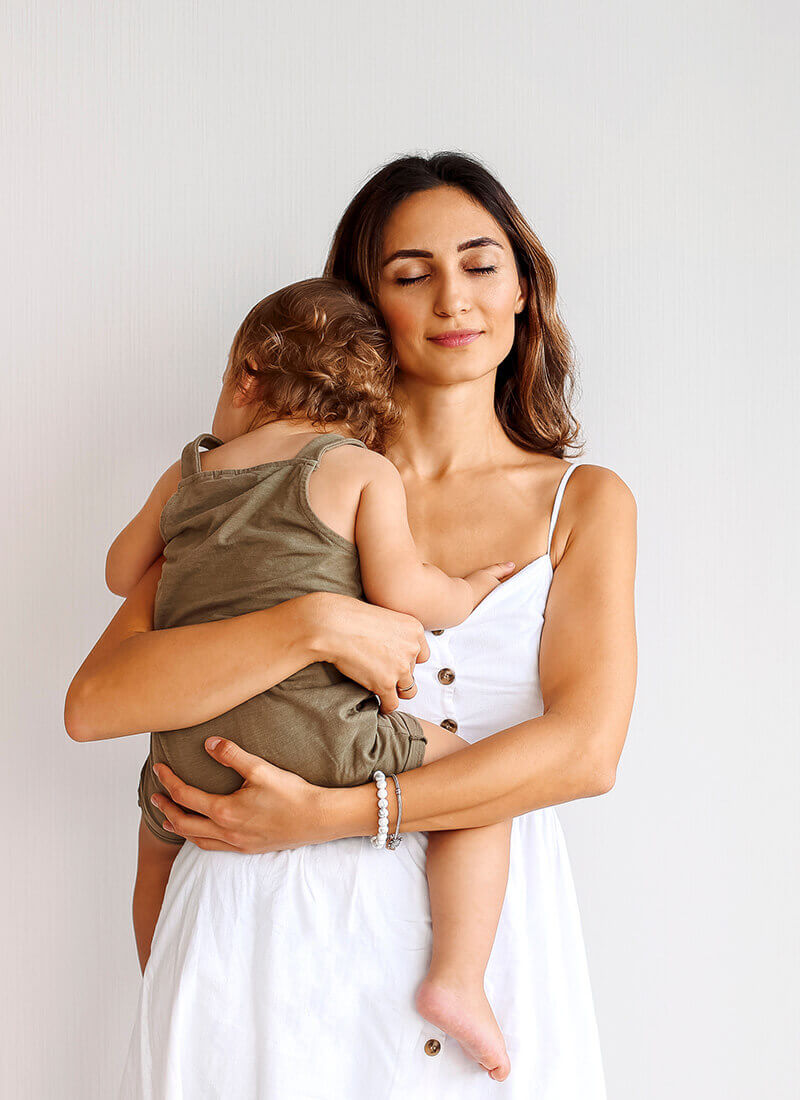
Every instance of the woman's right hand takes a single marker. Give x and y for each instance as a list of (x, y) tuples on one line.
[(137, 679), (377, 648)]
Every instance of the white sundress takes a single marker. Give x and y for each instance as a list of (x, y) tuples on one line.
[(291, 975)]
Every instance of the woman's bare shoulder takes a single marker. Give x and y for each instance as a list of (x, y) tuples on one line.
[(600, 484), (591, 492), (598, 506)]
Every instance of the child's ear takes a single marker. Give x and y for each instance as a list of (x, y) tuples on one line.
[(245, 391)]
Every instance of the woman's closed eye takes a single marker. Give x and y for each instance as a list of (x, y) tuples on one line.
[(418, 278)]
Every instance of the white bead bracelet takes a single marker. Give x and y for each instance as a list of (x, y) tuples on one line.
[(379, 840)]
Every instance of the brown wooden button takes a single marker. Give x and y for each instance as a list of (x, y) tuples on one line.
[(446, 675), (449, 725), (433, 1046), (437, 632)]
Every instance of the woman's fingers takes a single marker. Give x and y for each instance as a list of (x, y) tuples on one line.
[(200, 830), (389, 697), (234, 756), (191, 797), (193, 826), (389, 700), (215, 846), (237, 810), (407, 688), (194, 798), (187, 824)]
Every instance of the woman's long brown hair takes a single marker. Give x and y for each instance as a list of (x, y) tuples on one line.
[(537, 379)]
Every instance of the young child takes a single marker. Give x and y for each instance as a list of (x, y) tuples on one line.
[(296, 496)]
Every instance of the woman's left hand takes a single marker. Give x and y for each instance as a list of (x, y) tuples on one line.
[(272, 810)]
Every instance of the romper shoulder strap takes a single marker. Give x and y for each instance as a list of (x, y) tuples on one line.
[(557, 502), (325, 441), (190, 456)]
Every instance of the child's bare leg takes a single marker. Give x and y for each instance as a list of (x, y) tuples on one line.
[(467, 876), (152, 874)]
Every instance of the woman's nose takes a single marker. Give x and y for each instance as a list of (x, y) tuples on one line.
[(452, 298)]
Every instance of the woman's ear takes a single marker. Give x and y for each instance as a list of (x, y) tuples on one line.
[(522, 296)]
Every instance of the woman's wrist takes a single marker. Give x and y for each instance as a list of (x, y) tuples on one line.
[(352, 811)]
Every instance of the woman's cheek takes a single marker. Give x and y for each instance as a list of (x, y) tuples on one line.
[(402, 322)]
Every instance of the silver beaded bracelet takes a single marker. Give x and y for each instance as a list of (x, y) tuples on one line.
[(379, 840)]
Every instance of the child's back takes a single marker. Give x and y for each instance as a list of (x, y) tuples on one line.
[(237, 540), (241, 540)]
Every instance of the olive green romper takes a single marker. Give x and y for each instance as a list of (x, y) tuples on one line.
[(238, 541)]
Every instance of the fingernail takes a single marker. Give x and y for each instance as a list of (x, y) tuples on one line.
[(155, 769), (154, 799), (166, 825), (213, 742)]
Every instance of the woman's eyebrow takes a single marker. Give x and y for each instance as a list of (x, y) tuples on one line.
[(476, 242)]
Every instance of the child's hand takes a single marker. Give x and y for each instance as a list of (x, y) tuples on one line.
[(484, 581)]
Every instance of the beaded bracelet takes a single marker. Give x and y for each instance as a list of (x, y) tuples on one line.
[(379, 840)]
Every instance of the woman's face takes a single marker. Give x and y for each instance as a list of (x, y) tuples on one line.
[(447, 266)]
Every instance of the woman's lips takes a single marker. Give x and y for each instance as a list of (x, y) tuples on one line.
[(455, 339)]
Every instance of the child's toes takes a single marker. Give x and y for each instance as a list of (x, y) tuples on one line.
[(500, 1071)]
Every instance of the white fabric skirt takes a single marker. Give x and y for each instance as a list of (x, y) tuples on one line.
[(291, 976)]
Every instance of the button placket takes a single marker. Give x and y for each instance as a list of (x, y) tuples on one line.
[(447, 677)]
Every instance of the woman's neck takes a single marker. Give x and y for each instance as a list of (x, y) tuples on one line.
[(449, 429)]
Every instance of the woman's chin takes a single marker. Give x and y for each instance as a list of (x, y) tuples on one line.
[(448, 370)]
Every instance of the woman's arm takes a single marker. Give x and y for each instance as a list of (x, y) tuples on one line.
[(588, 673), (587, 668), (137, 679)]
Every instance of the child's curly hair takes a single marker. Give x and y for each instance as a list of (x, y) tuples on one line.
[(318, 351)]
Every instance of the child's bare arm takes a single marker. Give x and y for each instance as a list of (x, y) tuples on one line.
[(139, 544), (392, 572)]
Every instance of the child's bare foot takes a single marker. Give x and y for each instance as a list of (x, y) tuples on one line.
[(463, 1011)]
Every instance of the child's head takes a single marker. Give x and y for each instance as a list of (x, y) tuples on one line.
[(314, 351)]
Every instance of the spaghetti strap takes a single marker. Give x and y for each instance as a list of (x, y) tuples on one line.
[(324, 441), (557, 501), (190, 456)]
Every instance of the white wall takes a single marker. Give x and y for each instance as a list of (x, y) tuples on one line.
[(167, 165)]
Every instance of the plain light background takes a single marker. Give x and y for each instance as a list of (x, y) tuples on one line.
[(165, 166)]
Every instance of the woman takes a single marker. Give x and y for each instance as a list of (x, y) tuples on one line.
[(285, 967)]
